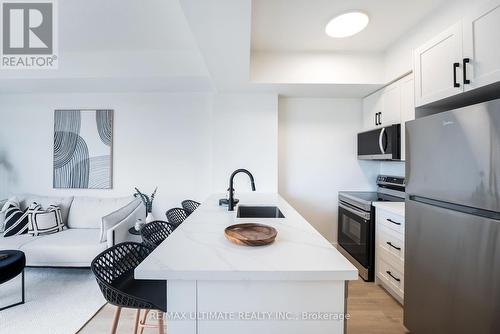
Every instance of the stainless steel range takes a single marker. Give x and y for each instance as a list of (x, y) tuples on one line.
[(356, 223)]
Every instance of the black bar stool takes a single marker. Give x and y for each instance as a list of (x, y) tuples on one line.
[(189, 206), (155, 232), (114, 272), (176, 216)]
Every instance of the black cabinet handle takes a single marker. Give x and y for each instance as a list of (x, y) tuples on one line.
[(455, 66), (395, 278), (390, 244), (465, 62), (380, 118), (392, 221), (376, 119)]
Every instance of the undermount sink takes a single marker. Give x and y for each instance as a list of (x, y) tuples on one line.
[(245, 211)]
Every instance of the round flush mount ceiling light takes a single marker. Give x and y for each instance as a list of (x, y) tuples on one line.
[(347, 24)]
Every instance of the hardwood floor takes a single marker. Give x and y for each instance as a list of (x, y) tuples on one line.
[(101, 322), (371, 309)]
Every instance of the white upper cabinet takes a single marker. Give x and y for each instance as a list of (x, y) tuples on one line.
[(394, 104), (437, 67), (482, 45), (463, 58), (372, 109), (389, 105)]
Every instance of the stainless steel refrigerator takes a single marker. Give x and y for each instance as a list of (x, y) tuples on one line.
[(452, 233)]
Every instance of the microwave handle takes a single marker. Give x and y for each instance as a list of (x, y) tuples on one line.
[(380, 140)]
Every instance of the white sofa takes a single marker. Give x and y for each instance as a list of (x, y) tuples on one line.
[(93, 224)]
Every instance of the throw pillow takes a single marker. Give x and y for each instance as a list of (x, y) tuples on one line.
[(42, 221), (2, 214), (16, 220)]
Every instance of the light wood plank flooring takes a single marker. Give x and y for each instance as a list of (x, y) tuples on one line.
[(372, 311)]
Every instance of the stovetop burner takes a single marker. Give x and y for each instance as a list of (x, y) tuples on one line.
[(390, 189)]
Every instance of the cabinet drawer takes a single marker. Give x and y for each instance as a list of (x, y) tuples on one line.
[(391, 276), (390, 220), (390, 245)]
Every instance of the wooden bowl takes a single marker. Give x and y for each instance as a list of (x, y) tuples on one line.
[(251, 234)]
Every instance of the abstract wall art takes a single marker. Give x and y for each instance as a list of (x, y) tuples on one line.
[(83, 147)]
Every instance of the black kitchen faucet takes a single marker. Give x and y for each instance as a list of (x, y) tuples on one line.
[(230, 204)]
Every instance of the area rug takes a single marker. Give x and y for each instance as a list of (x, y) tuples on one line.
[(58, 301)]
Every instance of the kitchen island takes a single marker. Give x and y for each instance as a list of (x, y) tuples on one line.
[(295, 285)]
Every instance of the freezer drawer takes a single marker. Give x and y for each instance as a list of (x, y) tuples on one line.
[(454, 156), (452, 271)]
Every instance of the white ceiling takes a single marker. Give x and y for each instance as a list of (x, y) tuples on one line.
[(200, 45), (117, 25), (119, 45), (299, 25), (222, 31)]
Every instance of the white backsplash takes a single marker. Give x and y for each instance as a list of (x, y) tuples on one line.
[(392, 168)]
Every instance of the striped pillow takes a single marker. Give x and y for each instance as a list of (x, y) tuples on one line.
[(42, 221), (16, 220), (2, 214)]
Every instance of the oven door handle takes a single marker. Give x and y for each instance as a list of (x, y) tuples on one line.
[(357, 212)]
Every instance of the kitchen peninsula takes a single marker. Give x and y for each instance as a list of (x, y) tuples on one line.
[(294, 285)]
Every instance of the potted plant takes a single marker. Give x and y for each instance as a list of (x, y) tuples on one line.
[(148, 203)]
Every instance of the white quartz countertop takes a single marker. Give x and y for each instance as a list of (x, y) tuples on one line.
[(198, 249), (397, 208)]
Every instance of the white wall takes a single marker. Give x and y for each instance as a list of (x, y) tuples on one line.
[(317, 67), (393, 168), (317, 157), (159, 140), (245, 135), (186, 144)]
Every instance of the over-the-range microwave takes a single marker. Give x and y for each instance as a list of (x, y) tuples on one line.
[(380, 144)]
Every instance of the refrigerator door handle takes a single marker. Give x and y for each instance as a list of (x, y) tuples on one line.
[(457, 207), (380, 140)]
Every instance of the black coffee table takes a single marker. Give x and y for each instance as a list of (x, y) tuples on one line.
[(10, 267)]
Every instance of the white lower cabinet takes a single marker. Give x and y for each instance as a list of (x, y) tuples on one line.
[(389, 252)]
